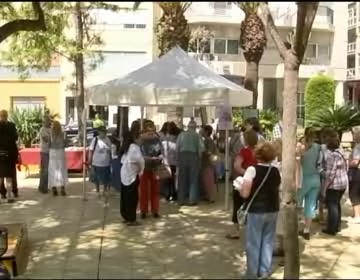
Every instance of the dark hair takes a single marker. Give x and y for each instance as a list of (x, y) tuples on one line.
[(309, 135), (173, 129), (254, 122), (208, 130), (128, 140), (165, 128), (251, 138), (333, 141), (265, 152)]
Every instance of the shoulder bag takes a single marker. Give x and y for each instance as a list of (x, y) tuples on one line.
[(244, 209)]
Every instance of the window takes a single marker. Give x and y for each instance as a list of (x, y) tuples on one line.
[(27, 102), (219, 46), (300, 110), (225, 46), (324, 52), (140, 26), (129, 26), (311, 51), (232, 47)]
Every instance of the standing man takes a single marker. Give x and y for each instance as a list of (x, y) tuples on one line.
[(189, 149), (45, 132), (8, 154), (278, 128)]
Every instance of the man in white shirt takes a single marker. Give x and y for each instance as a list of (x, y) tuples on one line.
[(44, 136)]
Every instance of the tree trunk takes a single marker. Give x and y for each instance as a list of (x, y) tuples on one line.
[(251, 80), (203, 115), (79, 71), (291, 241)]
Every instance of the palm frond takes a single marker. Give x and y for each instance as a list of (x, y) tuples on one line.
[(136, 5)]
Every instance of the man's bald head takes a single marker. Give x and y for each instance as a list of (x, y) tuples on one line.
[(3, 116)]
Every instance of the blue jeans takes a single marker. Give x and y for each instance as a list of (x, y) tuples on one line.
[(44, 170), (188, 177), (260, 235)]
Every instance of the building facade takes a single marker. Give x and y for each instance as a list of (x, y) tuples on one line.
[(323, 53)]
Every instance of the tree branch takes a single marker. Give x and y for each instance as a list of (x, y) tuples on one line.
[(268, 21), (306, 13), (17, 25)]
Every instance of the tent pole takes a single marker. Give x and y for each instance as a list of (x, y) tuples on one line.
[(84, 154), (227, 171), (142, 118)]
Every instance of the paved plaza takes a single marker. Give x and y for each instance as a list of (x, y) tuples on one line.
[(72, 238)]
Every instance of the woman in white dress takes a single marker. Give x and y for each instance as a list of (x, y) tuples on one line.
[(58, 176)]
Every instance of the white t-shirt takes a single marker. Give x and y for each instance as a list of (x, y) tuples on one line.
[(133, 164), (44, 135), (102, 152)]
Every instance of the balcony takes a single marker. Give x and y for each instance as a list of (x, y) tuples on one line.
[(350, 74), (351, 48), (351, 22), (214, 12)]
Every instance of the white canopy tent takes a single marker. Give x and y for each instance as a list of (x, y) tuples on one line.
[(175, 79)]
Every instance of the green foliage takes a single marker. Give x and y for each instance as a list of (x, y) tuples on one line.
[(342, 118), (36, 50), (28, 123), (268, 119), (172, 28), (237, 117), (200, 39), (319, 94)]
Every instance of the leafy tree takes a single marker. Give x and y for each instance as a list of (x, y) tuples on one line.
[(15, 22), (36, 50), (268, 119), (342, 118), (292, 53), (253, 42), (319, 94)]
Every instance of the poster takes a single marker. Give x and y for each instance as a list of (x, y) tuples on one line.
[(224, 114)]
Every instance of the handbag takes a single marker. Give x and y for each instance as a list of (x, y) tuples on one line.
[(162, 172), (244, 209)]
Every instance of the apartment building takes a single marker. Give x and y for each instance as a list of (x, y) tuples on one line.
[(352, 92), (324, 52), (128, 44)]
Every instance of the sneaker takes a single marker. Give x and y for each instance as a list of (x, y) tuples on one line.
[(355, 221), (305, 235)]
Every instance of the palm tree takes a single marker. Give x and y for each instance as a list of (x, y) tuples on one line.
[(342, 118), (172, 29), (253, 42)]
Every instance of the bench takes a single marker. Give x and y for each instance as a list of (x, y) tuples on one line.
[(16, 257)]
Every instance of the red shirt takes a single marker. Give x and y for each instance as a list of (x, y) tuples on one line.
[(248, 157)]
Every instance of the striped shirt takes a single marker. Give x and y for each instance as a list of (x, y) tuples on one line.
[(336, 176)]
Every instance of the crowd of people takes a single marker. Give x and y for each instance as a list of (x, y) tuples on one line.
[(180, 166)]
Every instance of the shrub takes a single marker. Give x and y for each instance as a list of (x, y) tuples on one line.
[(319, 95), (268, 119), (28, 122)]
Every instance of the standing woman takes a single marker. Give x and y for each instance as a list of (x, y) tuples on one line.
[(253, 123), (310, 187), (354, 179), (152, 151), (208, 165), (44, 135), (261, 189), (336, 182), (100, 159), (58, 176), (244, 159), (132, 167)]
